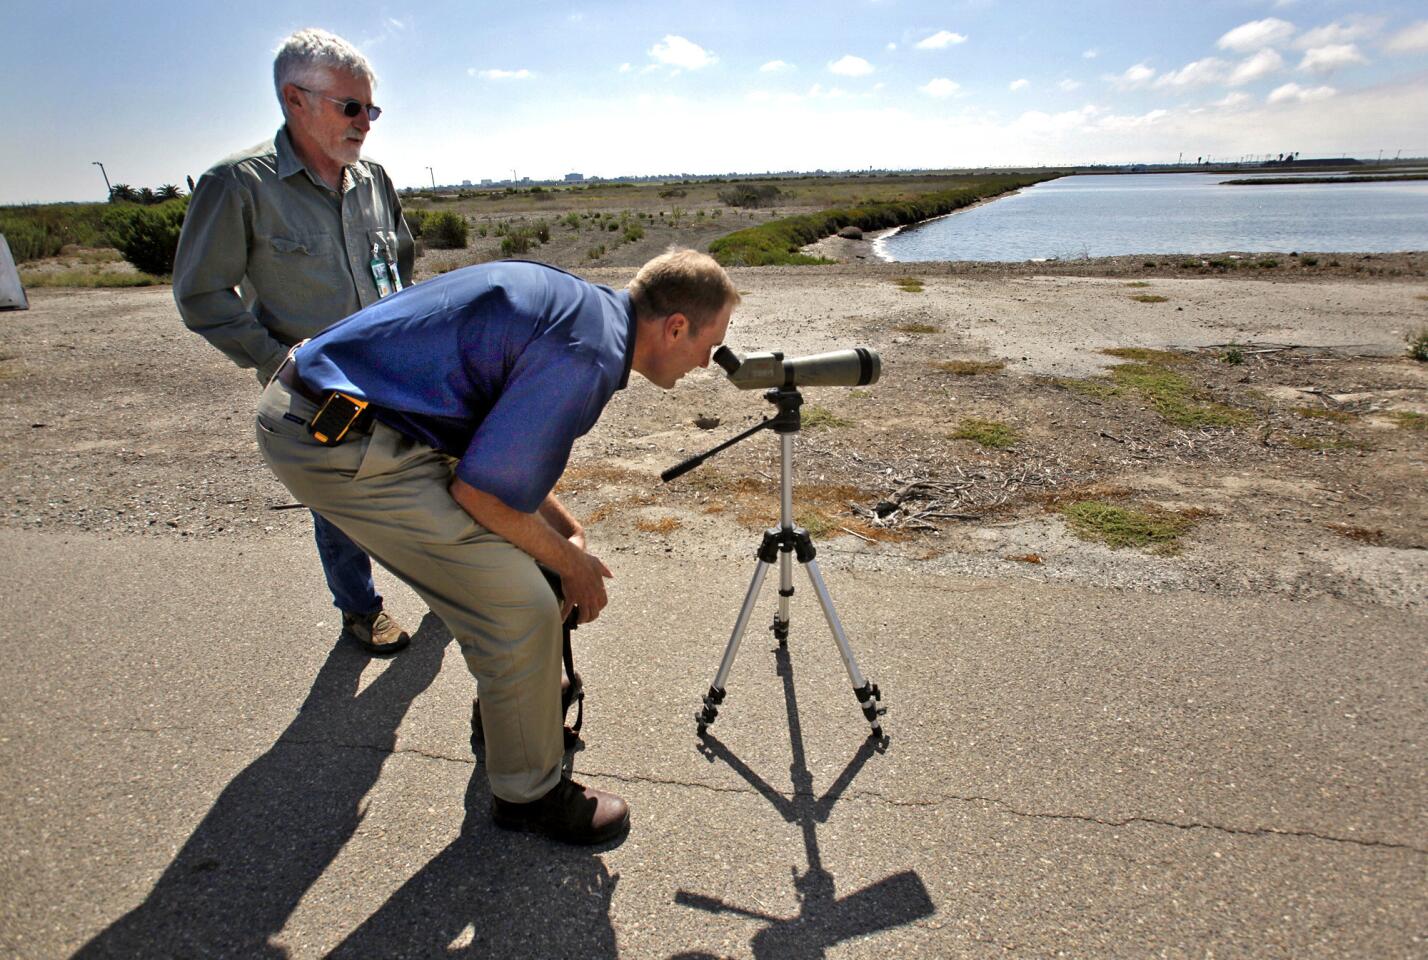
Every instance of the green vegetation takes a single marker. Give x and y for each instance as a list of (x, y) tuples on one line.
[(989, 433), (32, 279), (1149, 298), (780, 241), (1408, 420), (634, 232), (969, 368), (750, 195), (1234, 356), (1320, 413), (909, 284), (1118, 527), (1147, 355), (445, 230), (1321, 444), (1418, 345), (147, 236), (595, 252), (816, 417), (1140, 283), (41, 230), (917, 328), (1172, 396)]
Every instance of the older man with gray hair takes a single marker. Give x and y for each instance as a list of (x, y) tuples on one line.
[(286, 238)]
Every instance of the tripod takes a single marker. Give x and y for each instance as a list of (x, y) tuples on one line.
[(783, 543)]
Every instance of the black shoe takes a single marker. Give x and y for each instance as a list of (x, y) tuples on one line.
[(574, 692), (569, 813)]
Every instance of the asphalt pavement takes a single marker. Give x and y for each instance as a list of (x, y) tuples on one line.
[(191, 765)]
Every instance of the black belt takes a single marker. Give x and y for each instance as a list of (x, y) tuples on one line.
[(288, 377)]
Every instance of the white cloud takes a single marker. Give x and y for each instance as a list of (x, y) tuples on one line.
[(1262, 64), (626, 68), (850, 66), (1331, 58), (1340, 31), (1236, 98), (1411, 39), (1021, 84), (890, 47), (940, 87), (1198, 73), (1069, 85), (675, 51), (776, 66), (521, 74), (1091, 54), (940, 40), (396, 24), (1136, 76), (1257, 34), (1294, 92)]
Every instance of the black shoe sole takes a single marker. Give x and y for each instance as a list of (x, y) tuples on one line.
[(522, 825), (375, 649)]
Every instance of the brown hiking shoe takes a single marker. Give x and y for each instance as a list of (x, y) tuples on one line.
[(378, 632), (569, 813)]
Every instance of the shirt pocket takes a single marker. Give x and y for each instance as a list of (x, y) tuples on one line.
[(311, 245)]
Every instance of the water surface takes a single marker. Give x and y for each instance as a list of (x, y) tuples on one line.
[(1110, 215)]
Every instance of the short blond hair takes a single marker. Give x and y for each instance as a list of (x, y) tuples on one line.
[(682, 281)]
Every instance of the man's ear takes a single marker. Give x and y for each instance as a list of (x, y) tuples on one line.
[(676, 325), (292, 96)]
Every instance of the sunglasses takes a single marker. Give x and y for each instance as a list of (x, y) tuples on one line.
[(350, 107)]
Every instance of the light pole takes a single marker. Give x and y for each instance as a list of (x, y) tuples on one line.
[(107, 188), (433, 178)]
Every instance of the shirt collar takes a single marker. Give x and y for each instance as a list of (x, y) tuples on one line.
[(290, 163), (624, 299)]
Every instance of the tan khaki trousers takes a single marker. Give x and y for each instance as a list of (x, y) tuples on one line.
[(390, 494)]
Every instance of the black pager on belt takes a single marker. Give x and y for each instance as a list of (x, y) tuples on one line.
[(336, 416)]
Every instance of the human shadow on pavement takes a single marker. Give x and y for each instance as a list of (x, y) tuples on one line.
[(278, 825), (493, 893), (824, 919)]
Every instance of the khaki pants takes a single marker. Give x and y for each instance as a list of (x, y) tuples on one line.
[(389, 493)]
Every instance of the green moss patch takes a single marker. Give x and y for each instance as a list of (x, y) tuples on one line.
[(988, 433), (1156, 530), (909, 284), (917, 328), (1147, 355), (821, 418), (1149, 298), (1172, 396), (968, 368)]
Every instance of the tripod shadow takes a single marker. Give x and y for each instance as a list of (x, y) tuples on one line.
[(492, 893), (823, 919), (278, 825)]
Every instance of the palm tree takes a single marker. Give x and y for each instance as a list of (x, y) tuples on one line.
[(169, 192), (122, 193), (147, 196)]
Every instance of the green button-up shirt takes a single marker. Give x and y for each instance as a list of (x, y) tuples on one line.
[(269, 255)]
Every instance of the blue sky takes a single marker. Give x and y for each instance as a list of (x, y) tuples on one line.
[(475, 90)]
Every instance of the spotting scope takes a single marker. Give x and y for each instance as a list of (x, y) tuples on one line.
[(856, 367)]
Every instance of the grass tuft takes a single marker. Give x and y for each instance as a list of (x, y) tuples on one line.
[(1158, 530), (1139, 283), (1418, 345), (1408, 420), (909, 284), (663, 525), (917, 328), (989, 433), (1149, 298), (1147, 355), (821, 418), (87, 279), (1172, 396)]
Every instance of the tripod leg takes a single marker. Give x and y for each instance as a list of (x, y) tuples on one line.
[(867, 693), (785, 591), (715, 696)]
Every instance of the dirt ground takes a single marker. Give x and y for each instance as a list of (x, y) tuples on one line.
[(1275, 437)]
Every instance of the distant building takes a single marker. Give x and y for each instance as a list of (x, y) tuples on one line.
[(574, 177), (486, 181), (466, 183)]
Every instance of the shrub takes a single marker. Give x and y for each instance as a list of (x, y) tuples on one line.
[(596, 252), (542, 231), (1418, 345), (41, 230), (750, 195), (634, 232), (445, 230), (517, 242), (416, 220), (147, 236)]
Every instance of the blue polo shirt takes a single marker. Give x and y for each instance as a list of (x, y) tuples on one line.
[(501, 365)]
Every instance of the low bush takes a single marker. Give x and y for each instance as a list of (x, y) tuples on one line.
[(147, 236), (518, 242), (750, 195), (38, 231), (634, 232), (416, 220), (1418, 345), (446, 230)]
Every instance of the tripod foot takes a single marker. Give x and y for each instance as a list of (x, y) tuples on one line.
[(706, 716), (869, 699)]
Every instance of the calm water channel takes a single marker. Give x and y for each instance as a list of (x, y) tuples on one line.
[(1102, 216)]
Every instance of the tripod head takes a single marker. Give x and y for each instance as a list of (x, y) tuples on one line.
[(786, 420)]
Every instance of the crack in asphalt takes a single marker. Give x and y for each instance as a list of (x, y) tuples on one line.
[(871, 795)]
